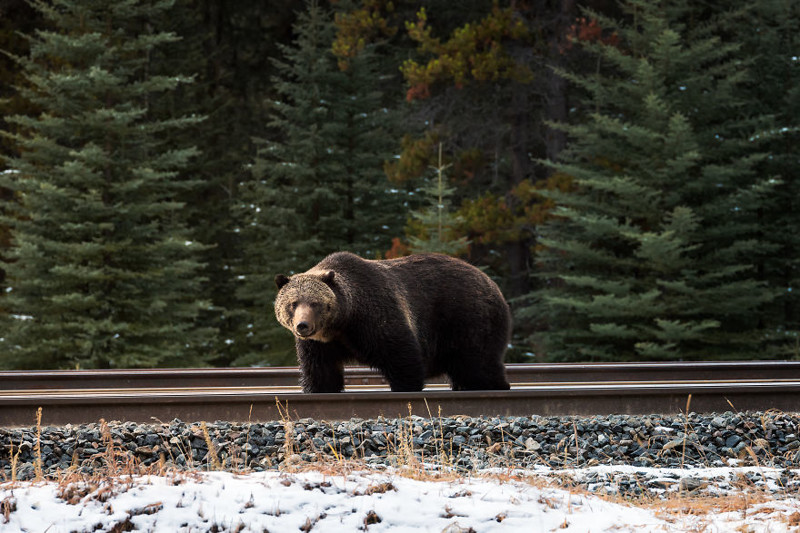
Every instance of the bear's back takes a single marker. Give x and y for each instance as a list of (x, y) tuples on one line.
[(440, 273), (426, 271), (433, 284)]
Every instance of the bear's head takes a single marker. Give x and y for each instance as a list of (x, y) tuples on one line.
[(306, 304)]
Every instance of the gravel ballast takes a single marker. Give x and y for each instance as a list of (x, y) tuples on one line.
[(466, 444)]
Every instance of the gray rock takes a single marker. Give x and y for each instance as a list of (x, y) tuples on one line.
[(732, 441)]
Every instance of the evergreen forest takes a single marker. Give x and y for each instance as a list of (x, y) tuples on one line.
[(624, 169)]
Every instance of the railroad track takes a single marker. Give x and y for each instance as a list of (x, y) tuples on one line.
[(260, 394)]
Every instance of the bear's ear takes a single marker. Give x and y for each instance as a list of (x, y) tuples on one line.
[(281, 280), (327, 277)]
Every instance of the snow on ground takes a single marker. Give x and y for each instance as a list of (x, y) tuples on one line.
[(361, 500)]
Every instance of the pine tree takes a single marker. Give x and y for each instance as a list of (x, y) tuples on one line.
[(105, 272), (319, 187), (652, 256)]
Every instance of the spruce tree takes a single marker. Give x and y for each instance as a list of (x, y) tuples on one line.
[(435, 222), (652, 256), (769, 32), (105, 272), (319, 186), (228, 47)]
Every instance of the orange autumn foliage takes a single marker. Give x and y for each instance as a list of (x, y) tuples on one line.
[(474, 52), (498, 219), (589, 31), (398, 249), (360, 26)]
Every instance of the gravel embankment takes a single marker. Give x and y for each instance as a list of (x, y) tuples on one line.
[(718, 439)]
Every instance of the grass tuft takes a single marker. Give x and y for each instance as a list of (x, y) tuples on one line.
[(213, 457), (37, 463)]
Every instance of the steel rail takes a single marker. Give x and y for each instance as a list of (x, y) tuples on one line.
[(289, 376), (281, 389), (265, 404)]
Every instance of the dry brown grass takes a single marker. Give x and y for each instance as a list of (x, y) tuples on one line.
[(116, 467), (681, 505), (213, 457), (760, 506), (37, 463), (14, 459)]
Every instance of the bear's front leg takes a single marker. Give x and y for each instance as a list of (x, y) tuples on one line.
[(322, 365)]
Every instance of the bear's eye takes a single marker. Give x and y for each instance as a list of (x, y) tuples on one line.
[(293, 306)]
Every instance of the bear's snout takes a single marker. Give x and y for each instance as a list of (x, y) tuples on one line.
[(304, 321)]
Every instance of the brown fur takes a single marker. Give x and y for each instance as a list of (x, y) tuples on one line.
[(411, 318), (301, 302)]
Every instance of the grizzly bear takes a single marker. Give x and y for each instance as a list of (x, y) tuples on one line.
[(409, 318)]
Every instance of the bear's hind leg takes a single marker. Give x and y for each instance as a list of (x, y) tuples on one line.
[(489, 377), (405, 378), (476, 364), (396, 355), (472, 355), (401, 363)]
